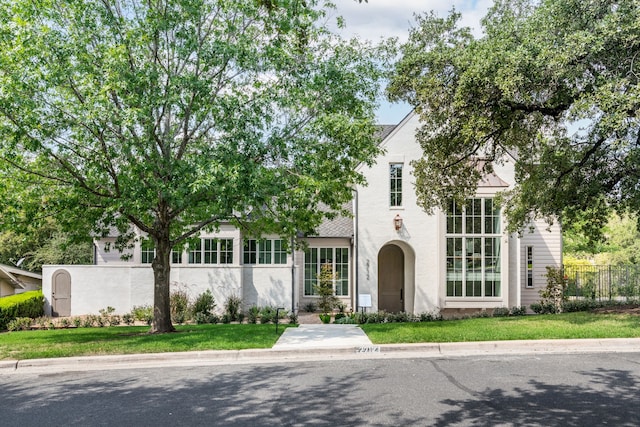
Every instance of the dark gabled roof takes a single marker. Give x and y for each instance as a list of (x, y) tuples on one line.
[(384, 131)]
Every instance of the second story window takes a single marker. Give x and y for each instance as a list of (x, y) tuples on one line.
[(395, 184)]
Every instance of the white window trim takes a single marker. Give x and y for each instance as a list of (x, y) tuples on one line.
[(463, 299)]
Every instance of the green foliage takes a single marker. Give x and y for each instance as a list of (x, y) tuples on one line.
[(179, 303), (143, 313), (232, 307), (551, 85), (27, 304), (310, 307), (253, 314), (133, 340), (324, 288), (204, 304), (182, 115), (20, 324), (293, 318), (42, 242), (555, 293), (267, 314)]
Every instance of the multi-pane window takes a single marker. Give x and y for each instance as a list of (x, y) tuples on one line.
[(264, 251), (395, 184), (176, 256), (148, 251), (226, 251), (211, 251), (473, 249), (337, 258), (529, 250)]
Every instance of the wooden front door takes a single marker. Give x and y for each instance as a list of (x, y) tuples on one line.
[(61, 294), (391, 279)]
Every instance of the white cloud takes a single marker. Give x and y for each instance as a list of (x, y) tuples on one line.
[(380, 19), (392, 18)]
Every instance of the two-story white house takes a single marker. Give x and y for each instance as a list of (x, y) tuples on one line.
[(390, 255)]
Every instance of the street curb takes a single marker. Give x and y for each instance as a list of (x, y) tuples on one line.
[(255, 356)]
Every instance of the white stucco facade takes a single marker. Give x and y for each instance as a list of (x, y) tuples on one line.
[(401, 269)]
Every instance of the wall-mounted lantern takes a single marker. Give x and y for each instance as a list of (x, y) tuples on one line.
[(397, 222)]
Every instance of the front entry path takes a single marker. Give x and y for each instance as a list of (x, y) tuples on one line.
[(322, 336)]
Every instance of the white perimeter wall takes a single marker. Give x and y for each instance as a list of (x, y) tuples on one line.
[(123, 287)]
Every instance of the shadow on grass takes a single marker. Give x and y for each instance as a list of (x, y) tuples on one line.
[(228, 396), (126, 339), (613, 400)]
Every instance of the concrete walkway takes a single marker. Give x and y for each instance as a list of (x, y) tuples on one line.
[(322, 336)]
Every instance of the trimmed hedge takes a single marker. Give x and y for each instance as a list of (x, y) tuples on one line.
[(27, 304)]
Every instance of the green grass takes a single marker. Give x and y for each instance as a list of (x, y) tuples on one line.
[(134, 339), (556, 326)]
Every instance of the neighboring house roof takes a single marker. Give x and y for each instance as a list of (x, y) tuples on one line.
[(12, 275)]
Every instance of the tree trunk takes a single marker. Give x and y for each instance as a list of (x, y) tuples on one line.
[(161, 292)]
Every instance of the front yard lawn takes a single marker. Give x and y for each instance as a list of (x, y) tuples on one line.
[(134, 339), (550, 326)]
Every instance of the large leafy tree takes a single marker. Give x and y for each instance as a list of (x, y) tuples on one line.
[(176, 115), (552, 85)]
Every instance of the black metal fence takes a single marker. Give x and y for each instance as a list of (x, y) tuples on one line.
[(603, 282)]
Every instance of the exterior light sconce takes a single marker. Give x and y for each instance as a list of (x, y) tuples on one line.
[(397, 222)]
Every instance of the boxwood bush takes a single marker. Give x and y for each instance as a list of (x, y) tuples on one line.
[(27, 304)]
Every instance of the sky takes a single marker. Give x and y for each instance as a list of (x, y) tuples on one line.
[(380, 19)]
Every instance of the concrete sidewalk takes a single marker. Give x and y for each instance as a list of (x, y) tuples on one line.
[(322, 336), (319, 343)]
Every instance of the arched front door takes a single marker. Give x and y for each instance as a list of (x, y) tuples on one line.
[(391, 279), (61, 293)]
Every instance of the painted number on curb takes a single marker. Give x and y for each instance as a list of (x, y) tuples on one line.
[(368, 349)]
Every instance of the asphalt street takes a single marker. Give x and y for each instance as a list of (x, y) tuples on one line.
[(578, 389)]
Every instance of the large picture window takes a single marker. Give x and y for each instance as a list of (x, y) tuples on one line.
[(473, 249), (337, 258), (264, 251)]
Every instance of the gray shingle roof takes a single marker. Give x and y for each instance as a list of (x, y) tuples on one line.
[(340, 226)]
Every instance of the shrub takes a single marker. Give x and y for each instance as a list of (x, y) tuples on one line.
[(293, 318), (346, 320), (226, 318), (555, 292), (324, 288), (240, 317), (202, 318), (310, 307), (501, 312), (204, 303), (27, 304), (429, 317), (77, 322), (143, 313), (179, 304), (267, 314), (20, 324), (253, 314), (108, 318), (232, 307), (128, 319), (518, 311)]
